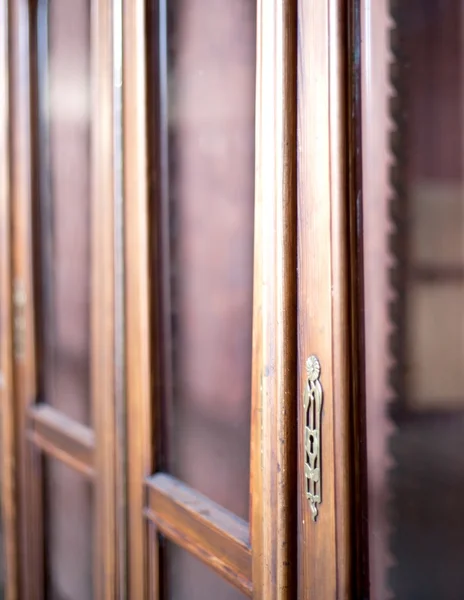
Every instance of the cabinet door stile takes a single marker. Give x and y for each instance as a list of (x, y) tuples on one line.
[(137, 289), (326, 307), (24, 352), (274, 312)]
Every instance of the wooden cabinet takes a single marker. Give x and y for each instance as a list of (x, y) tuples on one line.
[(181, 392)]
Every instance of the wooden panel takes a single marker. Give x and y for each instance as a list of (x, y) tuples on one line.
[(7, 435), (107, 530), (62, 438), (139, 417), (24, 365), (325, 568), (273, 461), (210, 532)]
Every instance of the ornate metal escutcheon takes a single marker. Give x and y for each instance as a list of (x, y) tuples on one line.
[(312, 403)]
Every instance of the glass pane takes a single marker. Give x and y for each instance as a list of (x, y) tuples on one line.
[(69, 539), (190, 579), (64, 105), (211, 99), (413, 134)]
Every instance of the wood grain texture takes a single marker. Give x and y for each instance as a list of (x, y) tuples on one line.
[(7, 435), (323, 292), (62, 438), (202, 527), (107, 529), (273, 462), (29, 480), (138, 359)]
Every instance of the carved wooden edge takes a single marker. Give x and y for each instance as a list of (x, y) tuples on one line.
[(62, 438), (398, 209), (140, 460), (7, 436), (211, 533)]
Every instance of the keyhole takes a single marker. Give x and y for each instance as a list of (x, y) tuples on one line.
[(311, 443)]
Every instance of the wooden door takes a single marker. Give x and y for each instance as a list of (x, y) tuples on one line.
[(209, 152), (62, 535)]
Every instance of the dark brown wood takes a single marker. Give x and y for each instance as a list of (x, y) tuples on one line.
[(137, 280), (325, 557), (273, 462), (7, 435), (63, 438), (30, 521), (357, 365), (202, 527), (107, 528)]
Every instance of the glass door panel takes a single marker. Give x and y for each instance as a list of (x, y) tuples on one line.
[(413, 149), (70, 549), (64, 92), (210, 206), (187, 577)]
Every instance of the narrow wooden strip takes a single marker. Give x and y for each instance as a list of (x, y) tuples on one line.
[(7, 435), (202, 527), (54, 452), (23, 125), (140, 416), (273, 425), (63, 438), (107, 531)]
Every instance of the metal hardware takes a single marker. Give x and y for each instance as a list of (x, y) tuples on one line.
[(312, 403), (19, 320)]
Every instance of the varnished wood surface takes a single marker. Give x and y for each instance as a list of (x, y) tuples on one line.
[(29, 477), (7, 436), (202, 527), (323, 292), (273, 462), (137, 286), (62, 438), (107, 529)]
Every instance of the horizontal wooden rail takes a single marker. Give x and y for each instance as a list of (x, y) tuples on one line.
[(62, 438), (202, 527)]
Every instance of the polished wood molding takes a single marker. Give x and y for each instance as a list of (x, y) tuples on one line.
[(273, 421), (25, 384), (137, 294), (202, 527), (108, 525), (62, 438), (7, 435)]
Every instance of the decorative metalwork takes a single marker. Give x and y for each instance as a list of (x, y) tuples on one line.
[(312, 403), (19, 322)]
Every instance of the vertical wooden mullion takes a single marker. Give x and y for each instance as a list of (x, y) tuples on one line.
[(140, 441), (29, 476), (273, 460), (105, 527), (7, 434), (325, 309)]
